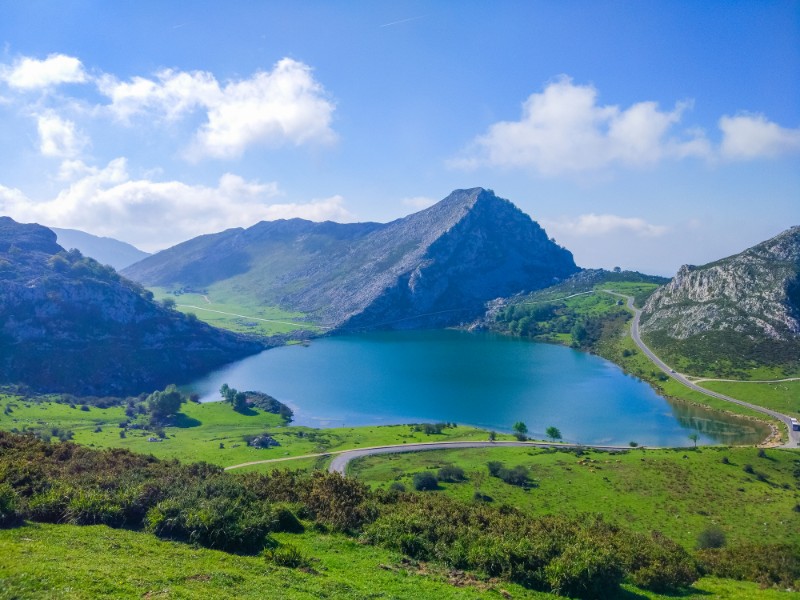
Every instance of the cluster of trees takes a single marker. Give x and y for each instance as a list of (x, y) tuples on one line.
[(237, 399), (165, 403), (585, 327), (241, 401)]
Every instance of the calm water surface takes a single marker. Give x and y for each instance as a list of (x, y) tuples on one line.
[(478, 379)]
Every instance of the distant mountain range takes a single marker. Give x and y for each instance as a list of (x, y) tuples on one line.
[(433, 268), (733, 314), (70, 324), (105, 250)]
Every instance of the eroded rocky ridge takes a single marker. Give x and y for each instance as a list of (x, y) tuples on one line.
[(727, 318), (433, 268), (69, 324), (756, 293)]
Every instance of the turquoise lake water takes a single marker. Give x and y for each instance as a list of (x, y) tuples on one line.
[(480, 379)]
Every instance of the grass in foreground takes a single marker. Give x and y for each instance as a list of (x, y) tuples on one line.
[(41, 561), (678, 492), (66, 561)]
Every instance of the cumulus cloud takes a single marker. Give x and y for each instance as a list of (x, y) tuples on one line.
[(563, 129), (285, 105), (753, 136), (602, 225), (59, 137), (154, 215), (30, 73)]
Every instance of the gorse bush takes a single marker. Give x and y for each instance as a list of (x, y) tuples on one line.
[(581, 556)]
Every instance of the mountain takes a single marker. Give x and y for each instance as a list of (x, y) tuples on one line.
[(739, 312), (432, 268), (69, 324), (105, 250)]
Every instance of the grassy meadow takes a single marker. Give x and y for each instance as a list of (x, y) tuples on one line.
[(678, 492), (212, 432), (782, 396), (235, 314)]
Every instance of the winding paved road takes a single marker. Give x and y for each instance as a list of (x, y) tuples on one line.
[(343, 457), (794, 436)]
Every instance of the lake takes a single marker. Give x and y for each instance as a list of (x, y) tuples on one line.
[(480, 379)]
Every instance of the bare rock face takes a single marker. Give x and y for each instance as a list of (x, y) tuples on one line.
[(69, 324), (754, 293), (731, 316), (433, 268)]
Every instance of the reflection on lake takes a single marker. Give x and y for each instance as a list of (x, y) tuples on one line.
[(479, 379)]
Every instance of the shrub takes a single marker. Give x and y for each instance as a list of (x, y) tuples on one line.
[(725, 460), (9, 502), (287, 555), (711, 537), (748, 469), (451, 473), (494, 467), (399, 487), (515, 476), (766, 564), (425, 481), (584, 570), (338, 501)]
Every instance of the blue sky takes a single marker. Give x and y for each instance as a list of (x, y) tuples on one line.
[(639, 134)]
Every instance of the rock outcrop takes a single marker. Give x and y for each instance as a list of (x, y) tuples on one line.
[(433, 268), (745, 306), (69, 324)]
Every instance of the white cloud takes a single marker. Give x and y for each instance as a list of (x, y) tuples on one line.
[(418, 202), (285, 105), (603, 225), (563, 129), (30, 73), (753, 136), (59, 137), (154, 215)]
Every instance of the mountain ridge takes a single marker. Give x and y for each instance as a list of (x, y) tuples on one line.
[(105, 250), (448, 259)]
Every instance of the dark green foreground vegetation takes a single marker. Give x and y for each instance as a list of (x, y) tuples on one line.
[(258, 514)]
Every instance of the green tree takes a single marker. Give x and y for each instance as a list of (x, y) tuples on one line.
[(694, 437), (520, 430), (554, 433), (239, 401), (164, 403)]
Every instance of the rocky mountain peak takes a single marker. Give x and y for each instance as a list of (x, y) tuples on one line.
[(29, 237)]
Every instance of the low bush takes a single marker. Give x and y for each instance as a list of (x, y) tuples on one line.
[(425, 481), (287, 555), (770, 565), (451, 473), (711, 537)]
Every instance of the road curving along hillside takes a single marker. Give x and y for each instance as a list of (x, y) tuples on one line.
[(793, 436)]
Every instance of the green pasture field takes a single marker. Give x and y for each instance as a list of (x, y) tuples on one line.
[(87, 562), (77, 562), (783, 396), (677, 491), (201, 428), (236, 315)]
